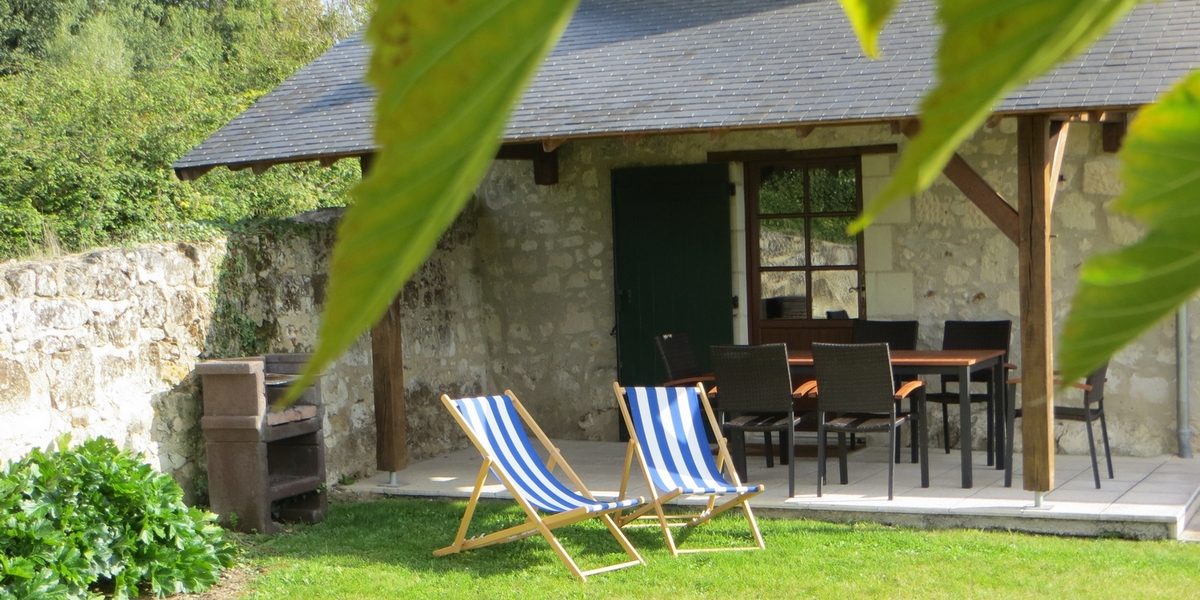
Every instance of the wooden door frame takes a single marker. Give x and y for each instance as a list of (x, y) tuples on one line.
[(751, 173)]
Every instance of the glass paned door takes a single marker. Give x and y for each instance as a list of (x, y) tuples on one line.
[(805, 270)]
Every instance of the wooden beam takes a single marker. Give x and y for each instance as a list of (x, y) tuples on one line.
[(1037, 344), (1058, 149), (552, 145), (1112, 135), (391, 408), (804, 131), (545, 164), (977, 190), (761, 155), (387, 377), (983, 196)]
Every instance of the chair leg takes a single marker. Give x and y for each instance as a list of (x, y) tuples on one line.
[(1107, 450), (894, 441), (738, 450), (785, 458), (843, 471), (990, 430), (770, 449), (1092, 448), (791, 449), (946, 427), (1010, 430), (914, 428), (820, 452)]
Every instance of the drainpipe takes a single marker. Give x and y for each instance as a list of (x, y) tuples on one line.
[(1181, 380)]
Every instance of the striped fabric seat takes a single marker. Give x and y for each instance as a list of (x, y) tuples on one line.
[(504, 432), (498, 428), (669, 427)]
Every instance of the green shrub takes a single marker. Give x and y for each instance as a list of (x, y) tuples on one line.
[(78, 521)]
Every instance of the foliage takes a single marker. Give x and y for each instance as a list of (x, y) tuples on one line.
[(988, 49), (94, 517), (383, 549), (432, 152), (104, 95)]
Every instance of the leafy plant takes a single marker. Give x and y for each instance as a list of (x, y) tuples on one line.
[(75, 521)]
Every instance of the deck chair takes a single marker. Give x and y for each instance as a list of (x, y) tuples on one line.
[(494, 425), (669, 446)]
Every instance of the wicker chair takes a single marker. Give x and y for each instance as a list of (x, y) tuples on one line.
[(679, 359), (858, 395), (1092, 410), (898, 335), (973, 335), (756, 396)]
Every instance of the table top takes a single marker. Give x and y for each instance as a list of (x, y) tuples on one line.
[(917, 358)]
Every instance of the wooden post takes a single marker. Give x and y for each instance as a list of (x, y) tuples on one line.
[(1037, 343), (387, 374)]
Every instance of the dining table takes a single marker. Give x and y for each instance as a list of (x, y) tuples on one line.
[(944, 362)]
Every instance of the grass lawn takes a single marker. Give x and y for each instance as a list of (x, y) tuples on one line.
[(383, 549)]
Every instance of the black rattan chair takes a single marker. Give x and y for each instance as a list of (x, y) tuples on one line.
[(837, 314), (1092, 410), (756, 396), (856, 387), (679, 359), (973, 335), (898, 335)]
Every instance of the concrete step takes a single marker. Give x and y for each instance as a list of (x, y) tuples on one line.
[(1191, 532)]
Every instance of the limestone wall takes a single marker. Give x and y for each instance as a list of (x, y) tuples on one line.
[(546, 269), (104, 343)]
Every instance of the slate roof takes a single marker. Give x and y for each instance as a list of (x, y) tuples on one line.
[(649, 66)]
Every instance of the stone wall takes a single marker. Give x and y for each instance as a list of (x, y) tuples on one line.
[(105, 343), (546, 268)]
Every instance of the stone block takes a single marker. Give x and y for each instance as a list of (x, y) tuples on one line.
[(1102, 175), (893, 295), (877, 247)]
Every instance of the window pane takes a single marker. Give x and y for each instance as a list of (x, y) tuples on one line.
[(834, 189), (781, 242), (784, 295), (831, 244), (781, 191), (835, 290)]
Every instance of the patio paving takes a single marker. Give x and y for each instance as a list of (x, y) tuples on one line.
[(1149, 498)]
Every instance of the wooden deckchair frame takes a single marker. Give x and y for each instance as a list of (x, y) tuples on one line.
[(534, 523), (657, 501)]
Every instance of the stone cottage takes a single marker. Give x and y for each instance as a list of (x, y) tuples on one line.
[(690, 166)]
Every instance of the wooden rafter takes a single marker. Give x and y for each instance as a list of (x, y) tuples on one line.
[(983, 196), (977, 190), (545, 163)]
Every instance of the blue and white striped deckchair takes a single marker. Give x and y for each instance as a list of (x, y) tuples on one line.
[(668, 440), (494, 425)]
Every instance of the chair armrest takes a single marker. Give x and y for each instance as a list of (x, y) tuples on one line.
[(689, 381), (908, 388), (805, 389)]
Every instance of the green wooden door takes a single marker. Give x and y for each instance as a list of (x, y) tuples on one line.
[(671, 245)]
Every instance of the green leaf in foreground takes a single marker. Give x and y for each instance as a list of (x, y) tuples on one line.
[(988, 49), (868, 18), (448, 75), (1124, 293)]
